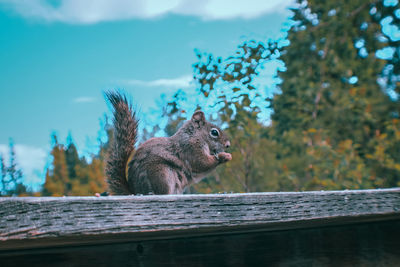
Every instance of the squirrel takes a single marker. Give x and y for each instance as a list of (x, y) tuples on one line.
[(161, 165)]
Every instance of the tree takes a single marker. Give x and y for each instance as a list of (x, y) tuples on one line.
[(71, 157), (11, 175), (228, 83), (3, 173), (332, 112), (176, 116), (57, 180), (71, 175), (335, 120), (94, 178), (387, 13), (334, 123)]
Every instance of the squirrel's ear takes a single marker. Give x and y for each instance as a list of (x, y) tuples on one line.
[(199, 118)]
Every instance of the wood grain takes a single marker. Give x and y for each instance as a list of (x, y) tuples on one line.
[(30, 222)]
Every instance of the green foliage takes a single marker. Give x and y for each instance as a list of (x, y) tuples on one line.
[(11, 175), (70, 175), (57, 180), (333, 125), (330, 97), (235, 104), (176, 116)]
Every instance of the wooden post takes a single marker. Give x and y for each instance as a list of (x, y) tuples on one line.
[(332, 228)]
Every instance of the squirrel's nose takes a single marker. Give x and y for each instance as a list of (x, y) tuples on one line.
[(227, 144)]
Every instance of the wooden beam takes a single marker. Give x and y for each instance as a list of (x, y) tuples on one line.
[(30, 222), (364, 244)]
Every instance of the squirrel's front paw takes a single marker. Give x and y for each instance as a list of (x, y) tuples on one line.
[(224, 157)]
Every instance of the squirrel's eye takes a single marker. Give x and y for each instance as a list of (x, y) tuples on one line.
[(214, 132)]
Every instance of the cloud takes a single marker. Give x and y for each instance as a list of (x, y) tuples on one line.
[(31, 160), (178, 83), (93, 11), (84, 99)]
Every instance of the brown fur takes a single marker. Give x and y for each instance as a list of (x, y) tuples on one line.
[(163, 165)]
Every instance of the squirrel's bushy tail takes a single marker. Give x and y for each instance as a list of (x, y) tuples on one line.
[(125, 135)]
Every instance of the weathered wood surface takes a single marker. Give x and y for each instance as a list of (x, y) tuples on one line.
[(367, 244), (42, 222)]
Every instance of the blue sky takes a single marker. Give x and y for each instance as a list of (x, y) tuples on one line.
[(57, 57)]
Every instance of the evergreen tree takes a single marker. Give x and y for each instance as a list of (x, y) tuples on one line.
[(11, 175), (97, 167), (57, 181), (3, 173), (70, 175), (97, 179), (71, 157), (15, 173), (335, 121)]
